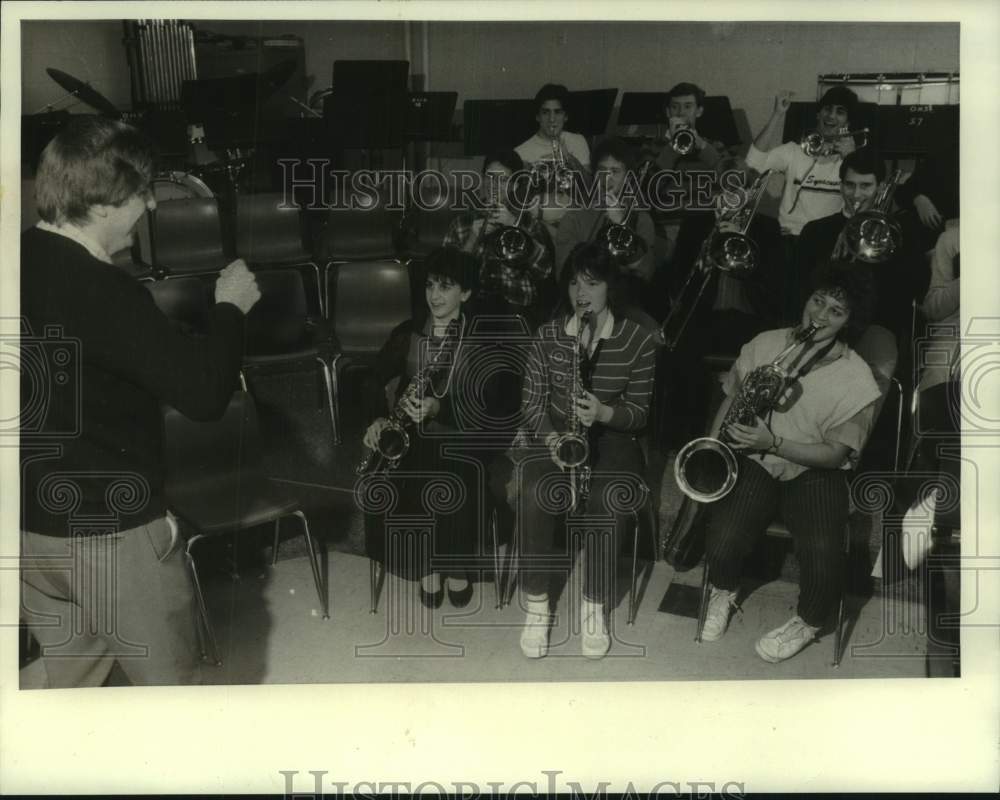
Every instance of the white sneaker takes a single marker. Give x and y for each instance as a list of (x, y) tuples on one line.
[(535, 634), (786, 641), (594, 640), (720, 605)]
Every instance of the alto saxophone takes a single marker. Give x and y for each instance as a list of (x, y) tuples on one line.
[(394, 440), (706, 469), (571, 449)]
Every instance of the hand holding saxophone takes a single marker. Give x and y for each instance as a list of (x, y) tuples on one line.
[(373, 433), (750, 437), (590, 410), (420, 409)]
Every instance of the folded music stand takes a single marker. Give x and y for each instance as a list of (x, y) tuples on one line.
[(491, 125), (430, 116), (590, 111)]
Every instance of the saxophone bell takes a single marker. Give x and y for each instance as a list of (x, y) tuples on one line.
[(706, 468)]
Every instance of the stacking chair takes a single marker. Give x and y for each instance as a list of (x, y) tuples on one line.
[(269, 234), (878, 348), (215, 484), (189, 236), (279, 332), (185, 300), (426, 223), (369, 299)]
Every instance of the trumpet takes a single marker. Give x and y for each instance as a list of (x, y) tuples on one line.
[(555, 173), (571, 449), (706, 469), (818, 144), (394, 440), (728, 249), (683, 141), (873, 236)]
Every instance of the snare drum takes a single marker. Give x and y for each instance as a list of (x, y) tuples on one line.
[(178, 185)]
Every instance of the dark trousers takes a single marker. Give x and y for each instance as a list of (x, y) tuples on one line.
[(813, 505), (614, 494)]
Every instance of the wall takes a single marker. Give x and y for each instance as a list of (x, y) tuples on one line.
[(747, 61)]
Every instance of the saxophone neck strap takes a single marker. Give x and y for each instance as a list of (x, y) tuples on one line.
[(813, 360)]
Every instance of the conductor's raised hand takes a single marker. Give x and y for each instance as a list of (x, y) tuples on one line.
[(782, 101), (237, 285)]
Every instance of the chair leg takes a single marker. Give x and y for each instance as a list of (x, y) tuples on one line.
[(703, 605), (203, 610), (334, 374), (635, 565), (274, 547), (331, 398), (497, 577), (373, 581), (511, 568), (317, 577), (839, 632)]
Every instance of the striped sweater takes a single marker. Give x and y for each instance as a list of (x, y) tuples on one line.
[(622, 379)]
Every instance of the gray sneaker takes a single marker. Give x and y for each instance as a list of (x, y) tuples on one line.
[(720, 605), (786, 641)]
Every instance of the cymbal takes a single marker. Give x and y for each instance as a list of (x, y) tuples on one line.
[(84, 92)]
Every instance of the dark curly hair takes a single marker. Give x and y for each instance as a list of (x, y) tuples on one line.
[(453, 265), (855, 284), (591, 259)]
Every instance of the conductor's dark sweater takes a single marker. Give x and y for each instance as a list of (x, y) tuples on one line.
[(98, 359)]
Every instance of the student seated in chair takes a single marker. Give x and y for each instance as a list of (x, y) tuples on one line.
[(796, 461)]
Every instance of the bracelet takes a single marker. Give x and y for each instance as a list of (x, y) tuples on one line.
[(776, 442)]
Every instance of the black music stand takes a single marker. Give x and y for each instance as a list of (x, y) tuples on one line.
[(590, 111), (368, 107), (717, 123), (491, 125), (643, 108), (906, 131), (430, 116)]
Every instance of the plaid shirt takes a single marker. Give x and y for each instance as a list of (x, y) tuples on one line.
[(519, 286)]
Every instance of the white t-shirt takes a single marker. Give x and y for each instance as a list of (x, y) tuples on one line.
[(812, 186), (539, 148), (834, 401)]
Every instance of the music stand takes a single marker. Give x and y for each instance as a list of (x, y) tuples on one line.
[(491, 125), (590, 111), (430, 115), (716, 123), (367, 108), (643, 108), (919, 130)]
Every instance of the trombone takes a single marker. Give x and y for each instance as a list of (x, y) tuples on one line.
[(728, 249), (818, 144)]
